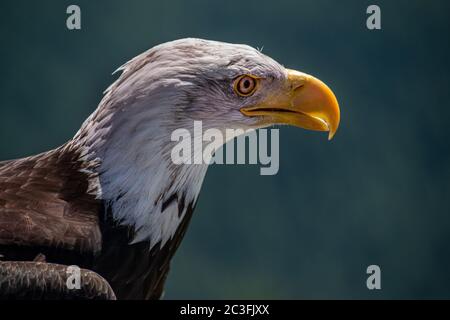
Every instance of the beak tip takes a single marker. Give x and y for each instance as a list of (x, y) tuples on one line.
[(332, 130), (331, 134)]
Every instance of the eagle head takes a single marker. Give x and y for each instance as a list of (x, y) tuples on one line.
[(168, 87)]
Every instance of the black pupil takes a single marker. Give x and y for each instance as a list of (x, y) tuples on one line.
[(246, 84)]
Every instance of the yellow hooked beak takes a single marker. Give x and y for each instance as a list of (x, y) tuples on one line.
[(303, 101)]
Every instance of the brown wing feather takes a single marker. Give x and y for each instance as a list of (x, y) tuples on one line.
[(45, 203), (40, 280)]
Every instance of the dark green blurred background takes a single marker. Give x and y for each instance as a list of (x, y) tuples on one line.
[(377, 194)]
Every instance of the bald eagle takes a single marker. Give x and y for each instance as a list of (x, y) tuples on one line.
[(110, 200)]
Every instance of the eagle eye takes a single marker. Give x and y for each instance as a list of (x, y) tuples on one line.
[(245, 85)]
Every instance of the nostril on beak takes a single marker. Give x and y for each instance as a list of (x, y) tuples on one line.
[(297, 79), (297, 86)]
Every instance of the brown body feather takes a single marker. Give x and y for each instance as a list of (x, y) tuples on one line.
[(47, 207)]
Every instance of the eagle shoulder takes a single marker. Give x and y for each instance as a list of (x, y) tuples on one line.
[(46, 204)]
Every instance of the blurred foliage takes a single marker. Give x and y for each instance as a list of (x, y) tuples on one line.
[(377, 194)]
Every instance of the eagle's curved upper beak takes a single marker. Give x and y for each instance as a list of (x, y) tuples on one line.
[(302, 101)]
